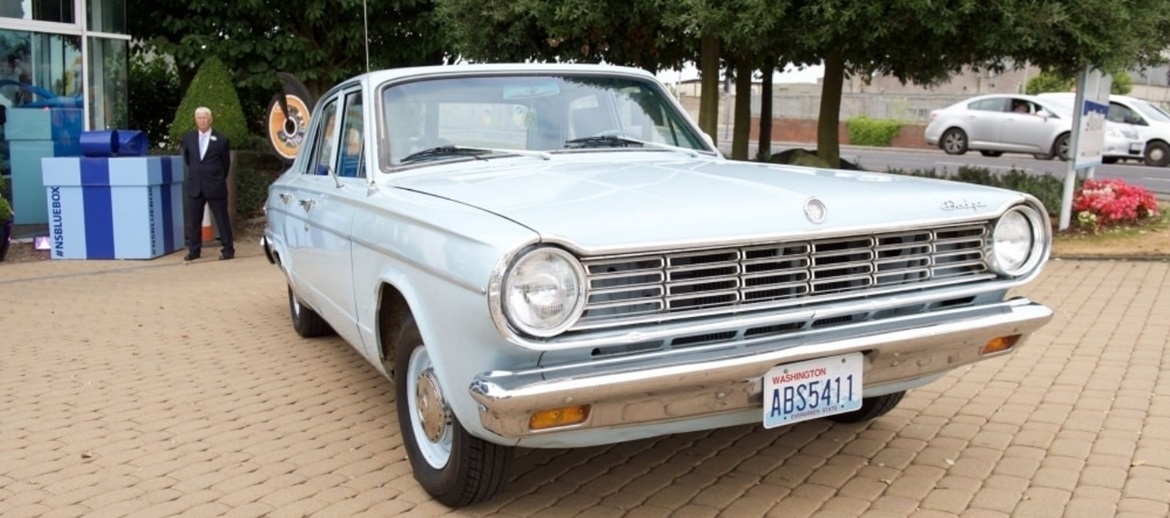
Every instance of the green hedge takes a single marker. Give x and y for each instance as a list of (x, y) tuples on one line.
[(255, 171), (864, 131), (1046, 188)]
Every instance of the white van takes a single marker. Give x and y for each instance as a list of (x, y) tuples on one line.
[(1150, 121)]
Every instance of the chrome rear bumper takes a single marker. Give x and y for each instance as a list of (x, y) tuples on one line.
[(914, 354)]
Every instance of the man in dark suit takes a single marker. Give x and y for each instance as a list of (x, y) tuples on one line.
[(206, 153)]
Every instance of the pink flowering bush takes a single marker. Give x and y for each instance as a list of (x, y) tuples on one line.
[(1112, 202)]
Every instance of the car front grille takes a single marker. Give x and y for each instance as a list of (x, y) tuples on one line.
[(658, 287)]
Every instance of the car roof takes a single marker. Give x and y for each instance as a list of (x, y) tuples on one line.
[(380, 76)]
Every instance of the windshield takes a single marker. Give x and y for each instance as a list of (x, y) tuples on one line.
[(1150, 111), (442, 118)]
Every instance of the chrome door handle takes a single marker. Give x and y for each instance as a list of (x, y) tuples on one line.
[(306, 204), (284, 197)]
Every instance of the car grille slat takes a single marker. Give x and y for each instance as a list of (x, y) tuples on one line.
[(730, 279)]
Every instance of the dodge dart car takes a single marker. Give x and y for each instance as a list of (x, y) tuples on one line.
[(552, 256)]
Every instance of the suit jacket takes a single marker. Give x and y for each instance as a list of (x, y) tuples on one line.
[(207, 175)]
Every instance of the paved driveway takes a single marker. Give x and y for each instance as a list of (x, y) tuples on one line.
[(162, 389)]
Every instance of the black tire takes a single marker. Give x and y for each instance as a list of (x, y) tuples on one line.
[(1109, 160), (474, 469), (954, 142), (871, 408), (306, 321), (1157, 154), (1062, 147), (992, 154)]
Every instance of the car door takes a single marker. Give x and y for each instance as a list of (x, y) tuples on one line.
[(985, 120), (325, 201), (1029, 130)]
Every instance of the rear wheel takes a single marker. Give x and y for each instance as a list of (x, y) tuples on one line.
[(306, 321), (1061, 148), (453, 466), (871, 408), (1157, 154), (991, 154), (954, 142)]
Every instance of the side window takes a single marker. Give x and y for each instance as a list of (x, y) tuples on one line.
[(1119, 113), (351, 163), (989, 105), (323, 141)]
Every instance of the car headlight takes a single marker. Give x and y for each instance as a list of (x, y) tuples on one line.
[(544, 292), (1017, 241)]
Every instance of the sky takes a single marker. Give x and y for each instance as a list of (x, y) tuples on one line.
[(790, 75)]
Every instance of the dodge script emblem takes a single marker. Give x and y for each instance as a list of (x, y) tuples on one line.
[(815, 210)]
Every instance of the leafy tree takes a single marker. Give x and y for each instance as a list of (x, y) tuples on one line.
[(212, 88), (319, 41), (925, 41), (619, 32), (154, 96)]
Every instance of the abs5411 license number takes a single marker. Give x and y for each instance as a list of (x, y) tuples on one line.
[(812, 389)]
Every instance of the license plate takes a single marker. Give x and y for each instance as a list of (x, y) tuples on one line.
[(812, 389)]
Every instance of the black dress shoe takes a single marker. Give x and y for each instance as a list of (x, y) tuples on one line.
[(190, 257), (225, 256)]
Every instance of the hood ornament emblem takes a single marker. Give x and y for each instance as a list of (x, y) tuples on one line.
[(815, 210)]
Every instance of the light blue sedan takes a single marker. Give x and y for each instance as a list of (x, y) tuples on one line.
[(552, 256)]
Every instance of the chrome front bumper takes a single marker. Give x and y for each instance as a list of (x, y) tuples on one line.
[(925, 347)]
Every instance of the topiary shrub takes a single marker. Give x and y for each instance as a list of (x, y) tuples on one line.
[(864, 131), (212, 87)]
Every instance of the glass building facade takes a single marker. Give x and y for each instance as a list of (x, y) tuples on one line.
[(64, 54)]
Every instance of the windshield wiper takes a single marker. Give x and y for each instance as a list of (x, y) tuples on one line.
[(604, 141), (620, 141), (444, 151), (465, 151)]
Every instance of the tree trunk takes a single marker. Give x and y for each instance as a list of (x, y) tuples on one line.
[(709, 100), (743, 109), (764, 150), (828, 144)]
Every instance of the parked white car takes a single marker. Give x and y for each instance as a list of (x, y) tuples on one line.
[(1144, 117), (1003, 123), (553, 256)]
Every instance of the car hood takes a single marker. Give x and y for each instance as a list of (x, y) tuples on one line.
[(646, 200)]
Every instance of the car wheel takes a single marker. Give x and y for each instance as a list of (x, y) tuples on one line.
[(871, 408), (954, 142), (453, 466), (991, 154), (1061, 148), (1109, 160), (306, 321), (1157, 154)]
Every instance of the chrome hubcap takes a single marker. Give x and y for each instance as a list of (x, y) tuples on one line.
[(432, 408), (431, 420)]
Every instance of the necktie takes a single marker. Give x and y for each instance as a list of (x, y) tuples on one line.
[(202, 145)]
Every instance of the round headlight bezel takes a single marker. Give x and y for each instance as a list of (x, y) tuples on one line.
[(576, 306), (1036, 245)]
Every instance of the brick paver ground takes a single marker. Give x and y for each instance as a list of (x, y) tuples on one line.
[(160, 389)]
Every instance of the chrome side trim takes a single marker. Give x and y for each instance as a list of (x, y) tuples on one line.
[(625, 395)]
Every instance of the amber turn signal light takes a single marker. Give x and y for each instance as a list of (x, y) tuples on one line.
[(1000, 344), (558, 417)]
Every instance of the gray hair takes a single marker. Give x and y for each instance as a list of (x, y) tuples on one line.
[(203, 109)]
